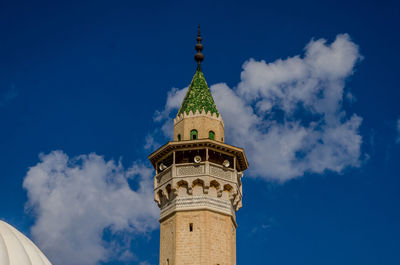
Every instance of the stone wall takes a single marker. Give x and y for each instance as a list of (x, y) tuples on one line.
[(198, 238), (201, 122)]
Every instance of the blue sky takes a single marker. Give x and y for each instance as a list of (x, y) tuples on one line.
[(98, 80)]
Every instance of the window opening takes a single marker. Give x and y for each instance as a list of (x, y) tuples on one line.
[(191, 227), (219, 158), (179, 137), (188, 156), (211, 135), (193, 135)]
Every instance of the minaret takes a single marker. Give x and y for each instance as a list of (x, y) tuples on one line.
[(198, 182)]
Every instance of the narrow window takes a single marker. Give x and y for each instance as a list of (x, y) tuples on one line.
[(191, 227), (167, 262), (193, 135), (211, 135), (179, 137)]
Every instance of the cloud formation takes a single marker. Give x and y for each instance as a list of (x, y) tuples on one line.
[(288, 114), (78, 201)]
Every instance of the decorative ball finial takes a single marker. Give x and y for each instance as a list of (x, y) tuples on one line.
[(199, 57)]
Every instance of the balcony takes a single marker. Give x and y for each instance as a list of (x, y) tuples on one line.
[(199, 170)]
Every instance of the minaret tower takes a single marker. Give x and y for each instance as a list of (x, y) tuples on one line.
[(198, 182)]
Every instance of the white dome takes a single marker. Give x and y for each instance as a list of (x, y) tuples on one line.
[(17, 249)]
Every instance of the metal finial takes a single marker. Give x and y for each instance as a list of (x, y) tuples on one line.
[(199, 57)]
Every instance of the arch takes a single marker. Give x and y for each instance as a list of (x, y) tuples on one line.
[(161, 198), (228, 192), (228, 187), (183, 188), (194, 135), (214, 189), (211, 135), (198, 187), (182, 183), (169, 192), (214, 183), (198, 182), (179, 137)]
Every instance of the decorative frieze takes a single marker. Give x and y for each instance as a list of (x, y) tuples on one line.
[(204, 185), (190, 170), (221, 172), (164, 176), (202, 202), (197, 113)]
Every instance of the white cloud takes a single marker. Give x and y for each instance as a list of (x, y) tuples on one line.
[(398, 131), (75, 200), (288, 114), (144, 263), (151, 143)]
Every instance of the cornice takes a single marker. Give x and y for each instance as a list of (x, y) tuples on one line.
[(219, 146)]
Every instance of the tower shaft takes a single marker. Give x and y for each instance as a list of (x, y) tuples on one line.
[(199, 237)]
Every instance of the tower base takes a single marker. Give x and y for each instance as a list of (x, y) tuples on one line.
[(199, 237)]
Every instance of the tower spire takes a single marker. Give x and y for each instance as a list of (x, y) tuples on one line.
[(199, 57), (198, 97)]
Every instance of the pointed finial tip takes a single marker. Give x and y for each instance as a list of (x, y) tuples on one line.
[(199, 57)]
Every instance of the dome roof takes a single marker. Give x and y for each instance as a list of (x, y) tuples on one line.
[(17, 249)]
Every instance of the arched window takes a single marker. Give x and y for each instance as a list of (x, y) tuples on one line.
[(193, 135), (211, 135), (179, 137)]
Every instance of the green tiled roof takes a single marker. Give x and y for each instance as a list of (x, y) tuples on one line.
[(198, 96)]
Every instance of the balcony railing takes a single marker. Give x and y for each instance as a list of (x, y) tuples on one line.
[(196, 170)]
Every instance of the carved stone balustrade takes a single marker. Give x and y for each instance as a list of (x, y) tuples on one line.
[(203, 185)]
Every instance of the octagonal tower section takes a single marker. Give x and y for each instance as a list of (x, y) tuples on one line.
[(198, 188)]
